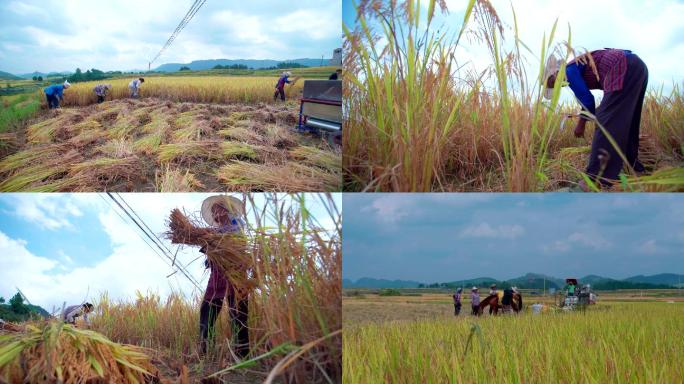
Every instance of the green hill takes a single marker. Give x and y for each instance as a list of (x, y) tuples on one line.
[(9, 76)]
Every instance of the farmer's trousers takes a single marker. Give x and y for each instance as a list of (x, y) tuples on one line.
[(476, 310), (52, 101), (281, 92), (238, 312), (100, 99), (457, 309), (620, 114)]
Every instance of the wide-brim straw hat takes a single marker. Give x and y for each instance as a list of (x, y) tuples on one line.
[(552, 66), (475, 289), (234, 206)]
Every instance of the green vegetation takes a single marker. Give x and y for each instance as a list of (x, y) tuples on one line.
[(16, 109), (389, 292), (17, 311)]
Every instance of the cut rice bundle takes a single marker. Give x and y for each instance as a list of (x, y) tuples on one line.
[(55, 352), (288, 177), (228, 251)]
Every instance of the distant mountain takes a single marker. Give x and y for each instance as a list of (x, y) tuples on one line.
[(366, 282), (44, 75), (200, 65), (476, 282), (8, 76), (530, 281), (662, 278)]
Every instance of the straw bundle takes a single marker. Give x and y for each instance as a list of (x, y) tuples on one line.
[(228, 251), (61, 353)]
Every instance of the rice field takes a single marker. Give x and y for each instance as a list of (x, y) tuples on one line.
[(418, 122), (613, 341), (152, 144), (196, 89)]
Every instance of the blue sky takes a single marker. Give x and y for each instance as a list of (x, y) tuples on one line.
[(56, 35), (444, 237), (71, 247), (653, 29)]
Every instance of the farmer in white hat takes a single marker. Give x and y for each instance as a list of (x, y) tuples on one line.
[(225, 214), (134, 86), (280, 86), (475, 301), (55, 93), (101, 91), (622, 76)]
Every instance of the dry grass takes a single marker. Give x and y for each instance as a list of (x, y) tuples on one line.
[(143, 145), (418, 122)]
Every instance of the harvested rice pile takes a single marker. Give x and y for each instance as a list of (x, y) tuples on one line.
[(155, 145), (227, 251), (54, 352)]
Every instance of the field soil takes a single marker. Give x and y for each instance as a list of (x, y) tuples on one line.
[(157, 145)]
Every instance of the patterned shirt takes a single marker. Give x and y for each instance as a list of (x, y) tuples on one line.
[(100, 90), (611, 66)]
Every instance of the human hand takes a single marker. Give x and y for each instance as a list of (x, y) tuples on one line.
[(580, 127)]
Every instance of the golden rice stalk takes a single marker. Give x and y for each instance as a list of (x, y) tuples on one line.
[(148, 144), (328, 160), (288, 177), (55, 352), (174, 180), (240, 134), (191, 149), (228, 251)]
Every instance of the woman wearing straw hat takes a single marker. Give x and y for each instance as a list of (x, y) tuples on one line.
[(225, 214), (623, 77)]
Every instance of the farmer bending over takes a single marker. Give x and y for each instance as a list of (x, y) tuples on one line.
[(101, 91), (623, 77), (457, 301), (73, 311), (134, 86), (475, 301), (54, 93), (280, 87), (225, 214)]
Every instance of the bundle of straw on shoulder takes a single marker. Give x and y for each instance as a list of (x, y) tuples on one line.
[(228, 251)]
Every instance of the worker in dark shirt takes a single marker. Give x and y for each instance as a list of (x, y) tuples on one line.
[(337, 75), (623, 77)]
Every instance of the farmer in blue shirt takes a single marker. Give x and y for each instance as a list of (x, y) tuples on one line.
[(280, 87), (55, 93)]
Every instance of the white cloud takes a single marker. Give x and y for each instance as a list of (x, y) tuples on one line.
[(649, 247), (390, 208), (486, 230), (557, 246), (317, 24), (593, 240), (45, 210)]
